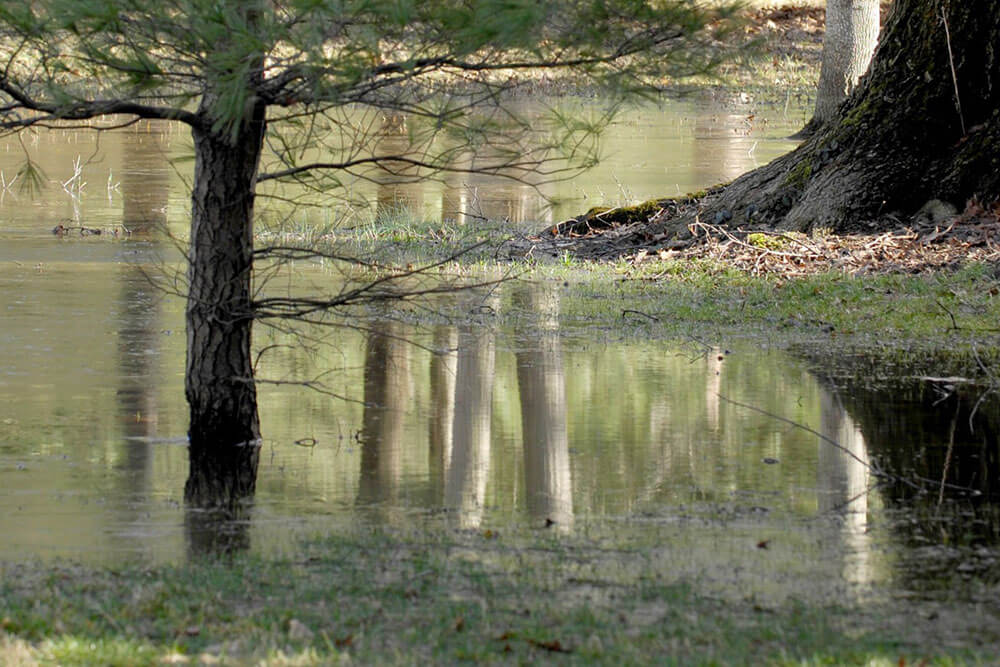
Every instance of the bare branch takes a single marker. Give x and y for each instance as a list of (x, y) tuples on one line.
[(83, 110)]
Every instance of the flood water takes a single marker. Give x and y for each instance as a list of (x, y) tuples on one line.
[(748, 450)]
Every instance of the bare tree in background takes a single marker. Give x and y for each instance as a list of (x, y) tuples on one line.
[(852, 28)]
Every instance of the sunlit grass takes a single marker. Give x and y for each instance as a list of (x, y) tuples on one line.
[(419, 595)]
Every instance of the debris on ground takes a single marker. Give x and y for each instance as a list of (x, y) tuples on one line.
[(921, 245)]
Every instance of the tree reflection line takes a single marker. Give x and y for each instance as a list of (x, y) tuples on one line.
[(462, 377)]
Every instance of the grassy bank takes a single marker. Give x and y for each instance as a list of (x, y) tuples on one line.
[(953, 309), (672, 299), (398, 596)]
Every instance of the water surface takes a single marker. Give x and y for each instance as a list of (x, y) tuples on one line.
[(773, 469)]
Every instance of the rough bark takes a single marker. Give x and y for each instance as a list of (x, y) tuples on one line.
[(851, 35), (902, 138), (224, 431)]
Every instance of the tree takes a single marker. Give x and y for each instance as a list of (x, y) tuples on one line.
[(279, 82), (852, 28), (922, 127)]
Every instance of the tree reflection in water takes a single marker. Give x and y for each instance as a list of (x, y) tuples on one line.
[(218, 531), (145, 191), (443, 372), (842, 480), (542, 387), (468, 471), (387, 398)]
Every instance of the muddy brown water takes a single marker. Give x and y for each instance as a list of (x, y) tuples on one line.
[(761, 459)]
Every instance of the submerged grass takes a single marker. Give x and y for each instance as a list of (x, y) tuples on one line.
[(384, 595), (678, 298)]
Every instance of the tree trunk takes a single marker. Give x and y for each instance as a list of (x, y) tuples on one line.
[(851, 34), (224, 431), (902, 138)]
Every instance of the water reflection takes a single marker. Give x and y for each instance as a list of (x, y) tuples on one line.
[(217, 532), (842, 476), (144, 182), (937, 441), (469, 468), (542, 388), (496, 425), (145, 191), (387, 399), (399, 190), (443, 374)]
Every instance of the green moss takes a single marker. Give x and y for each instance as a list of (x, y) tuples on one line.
[(767, 241), (799, 175), (626, 214)]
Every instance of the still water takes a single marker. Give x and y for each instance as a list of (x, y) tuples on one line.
[(502, 420)]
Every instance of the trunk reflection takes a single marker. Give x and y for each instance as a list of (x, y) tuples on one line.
[(542, 386), (842, 483), (387, 398), (465, 484)]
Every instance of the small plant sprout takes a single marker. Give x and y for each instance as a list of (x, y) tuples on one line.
[(75, 184), (112, 185)]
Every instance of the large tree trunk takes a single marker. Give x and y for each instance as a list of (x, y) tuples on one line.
[(902, 138), (851, 34), (224, 431)]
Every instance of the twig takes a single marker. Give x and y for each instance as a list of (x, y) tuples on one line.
[(947, 457), (954, 77), (874, 470), (954, 324), (639, 312)]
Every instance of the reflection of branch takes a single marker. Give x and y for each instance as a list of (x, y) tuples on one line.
[(376, 290), (629, 311), (951, 448), (310, 384), (531, 166), (873, 469), (805, 428)]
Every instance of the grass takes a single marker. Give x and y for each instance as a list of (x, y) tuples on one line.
[(954, 310), (933, 309), (388, 595)]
